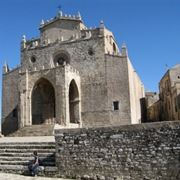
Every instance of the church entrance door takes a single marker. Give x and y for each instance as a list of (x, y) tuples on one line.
[(43, 103), (73, 103)]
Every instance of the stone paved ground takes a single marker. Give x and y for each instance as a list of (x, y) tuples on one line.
[(4, 176)]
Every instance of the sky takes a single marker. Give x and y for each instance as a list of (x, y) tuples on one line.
[(150, 29)]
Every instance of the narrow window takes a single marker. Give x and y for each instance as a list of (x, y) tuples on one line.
[(114, 47), (175, 104), (14, 113), (169, 105), (116, 105), (178, 101)]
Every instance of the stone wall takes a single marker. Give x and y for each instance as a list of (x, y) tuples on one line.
[(60, 79), (136, 93), (10, 102), (118, 89), (144, 151)]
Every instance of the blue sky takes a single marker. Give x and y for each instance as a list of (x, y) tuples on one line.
[(150, 29)]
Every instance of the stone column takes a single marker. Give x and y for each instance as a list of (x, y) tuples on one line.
[(24, 117), (21, 116), (60, 96)]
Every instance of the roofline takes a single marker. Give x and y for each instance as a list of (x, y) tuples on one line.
[(57, 19)]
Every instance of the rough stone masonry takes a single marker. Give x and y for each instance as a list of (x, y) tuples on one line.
[(144, 151)]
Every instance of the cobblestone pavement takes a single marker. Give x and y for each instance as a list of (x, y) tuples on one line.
[(4, 176)]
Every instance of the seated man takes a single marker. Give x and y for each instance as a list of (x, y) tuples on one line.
[(33, 167)]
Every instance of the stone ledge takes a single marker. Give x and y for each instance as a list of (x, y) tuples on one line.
[(134, 127)]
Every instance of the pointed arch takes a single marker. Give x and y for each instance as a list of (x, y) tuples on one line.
[(43, 102), (74, 103)]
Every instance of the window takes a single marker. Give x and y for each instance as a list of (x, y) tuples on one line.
[(62, 59), (178, 101), (91, 51), (175, 102), (33, 59), (116, 105), (14, 113), (114, 47)]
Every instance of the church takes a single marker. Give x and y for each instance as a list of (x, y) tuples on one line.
[(72, 76)]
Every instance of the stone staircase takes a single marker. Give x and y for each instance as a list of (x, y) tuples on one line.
[(15, 156), (34, 130)]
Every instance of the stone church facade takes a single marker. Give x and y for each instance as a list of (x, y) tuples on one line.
[(73, 76)]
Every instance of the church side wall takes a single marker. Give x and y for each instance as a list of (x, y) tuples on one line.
[(143, 151), (136, 91), (10, 102), (118, 88)]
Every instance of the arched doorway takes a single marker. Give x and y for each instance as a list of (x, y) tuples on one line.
[(43, 103), (73, 103)]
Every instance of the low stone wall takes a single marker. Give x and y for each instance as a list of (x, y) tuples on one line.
[(144, 151)]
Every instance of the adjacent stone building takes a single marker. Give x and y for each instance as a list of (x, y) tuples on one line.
[(169, 88), (165, 106), (151, 107), (73, 76)]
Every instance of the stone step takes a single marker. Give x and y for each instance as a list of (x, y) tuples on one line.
[(49, 171), (34, 130), (26, 154), (27, 146), (17, 152), (27, 143), (21, 162), (50, 163), (43, 159), (28, 140), (12, 150)]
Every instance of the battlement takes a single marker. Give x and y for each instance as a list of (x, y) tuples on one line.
[(63, 28), (71, 69), (66, 68), (61, 16), (38, 43)]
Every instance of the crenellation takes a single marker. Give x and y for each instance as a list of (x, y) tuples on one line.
[(42, 23), (101, 25), (78, 16), (60, 14), (38, 43)]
